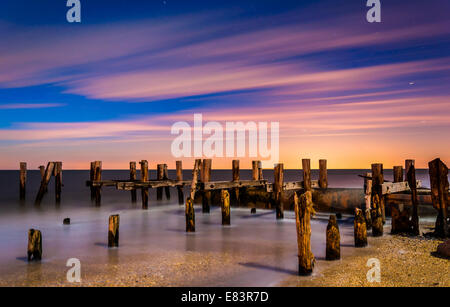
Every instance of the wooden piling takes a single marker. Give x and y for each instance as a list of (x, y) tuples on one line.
[(206, 177), (58, 181), (377, 200), (306, 165), (439, 195), (255, 170), (166, 177), (44, 182), (411, 178), (42, 171), (159, 176), (368, 199), (179, 166), (278, 190), (98, 177), (260, 170), (22, 180), (34, 250), (236, 177), (133, 177), (91, 178), (303, 208), (194, 181), (333, 249), (144, 178), (190, 215), (360, 230), (225, 200), (113, 231), (398, 173), (323, 175), (408, 164)]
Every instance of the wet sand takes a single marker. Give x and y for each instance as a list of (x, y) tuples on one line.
[(404, 262)]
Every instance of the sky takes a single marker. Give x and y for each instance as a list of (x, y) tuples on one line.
[(111, 87)]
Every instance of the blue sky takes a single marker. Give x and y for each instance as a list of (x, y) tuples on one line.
[(153, 62)]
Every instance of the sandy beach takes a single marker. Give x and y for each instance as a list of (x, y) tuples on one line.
[(404, 262)]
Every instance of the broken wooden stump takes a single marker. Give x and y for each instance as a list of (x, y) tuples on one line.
[(368, 199), (323, 176), (22, 180), (377, 200), (253, 210), (159, 176), (439, 195), (278, 190), (144, 178), (303, 208), (133, 178), (44, 182), (225, 200), (98, 177), (360, 230), (58, 181), (411, 178), (113, 231), (66, 221), (205, 176), (398, 173), (195, 171), (190, 215), (306, 166), (333, 249), (236, 177), (166, 177), (34, 250), (255, 170), (179, 167)]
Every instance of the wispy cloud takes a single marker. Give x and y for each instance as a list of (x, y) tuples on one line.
[(13, 106)]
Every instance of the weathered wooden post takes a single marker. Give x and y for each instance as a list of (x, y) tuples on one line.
[(306, 165), (236, 177), (98, 177), (360, 229), (408, 164), (113, 231), (260, 170), (144, 178), (398, 173), (159, 176), (133, 177), (206, 177), (166, 177), (333, 250), (179, 166), (58, 181), (377, 199), (23, 180), (34, 249), (190, 215), (278, 190), (91, 178), (368, 199), (303, 210), (411, 176), (42, 171), (194, 181), (225, 197), (255, 170), (44, 182), (323, 176), (439, 195)]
